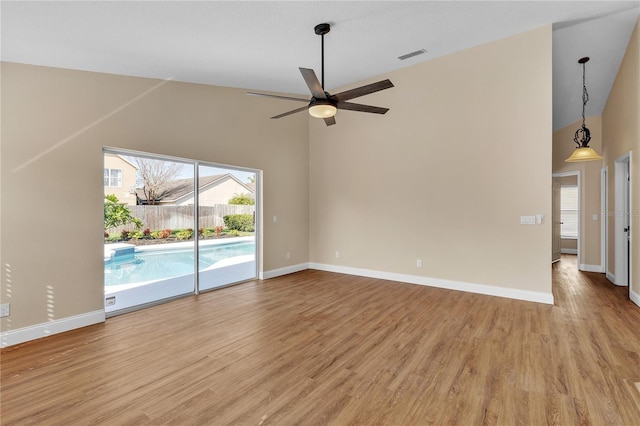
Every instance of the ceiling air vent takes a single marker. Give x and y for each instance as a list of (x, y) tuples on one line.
[(412, 54)]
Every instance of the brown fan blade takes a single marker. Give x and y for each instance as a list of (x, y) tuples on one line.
[(350, 106), (362, 90), (266, 95), (313, 83), (293, 111), (330, 121)]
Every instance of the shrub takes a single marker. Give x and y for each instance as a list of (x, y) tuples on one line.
[(239, 222), (136, 235), (124, 234), (106, 234), (243, 199), (117, 213), (234, 232), (155, 235), (146, 233), (184, 234), (219, 230), (165, 233)]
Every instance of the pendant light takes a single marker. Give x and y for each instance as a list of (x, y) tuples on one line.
[(582, 137)]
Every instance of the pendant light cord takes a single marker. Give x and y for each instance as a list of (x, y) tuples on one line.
[(585, 94), (583, 135)]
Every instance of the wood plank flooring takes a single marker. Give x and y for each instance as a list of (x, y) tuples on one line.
[(323, 348)]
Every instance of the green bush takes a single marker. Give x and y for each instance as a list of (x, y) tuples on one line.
[(243, 199), (184, 234), (136, 235), (239, 222)]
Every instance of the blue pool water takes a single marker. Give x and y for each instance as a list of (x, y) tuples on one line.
[(166, 263)]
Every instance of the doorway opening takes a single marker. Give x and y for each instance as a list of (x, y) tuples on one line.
[(566, 215), (175, 227)]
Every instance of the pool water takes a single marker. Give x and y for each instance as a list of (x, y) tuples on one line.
[(167, 263)]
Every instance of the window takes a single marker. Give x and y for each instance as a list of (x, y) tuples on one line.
[(112, 177), (569, 211)]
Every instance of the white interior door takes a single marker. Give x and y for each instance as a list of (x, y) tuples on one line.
[(555, 247)]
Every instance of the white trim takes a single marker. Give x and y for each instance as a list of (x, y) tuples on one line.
[(531, 296), (33, 332), (604, 218), (611, 277), (283, 271), (590, 268), (620, 240), (635, 297), (568, 251)]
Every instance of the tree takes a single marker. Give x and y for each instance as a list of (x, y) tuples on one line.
[(252, 179), (242, 199), (117, 213), (155, 174)]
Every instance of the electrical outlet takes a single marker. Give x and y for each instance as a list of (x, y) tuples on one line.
[(337, 254), (288, 255), (5, 310), (419, 263), (110, 301)]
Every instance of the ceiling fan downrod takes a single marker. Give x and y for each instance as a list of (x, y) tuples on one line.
[(321, 30)]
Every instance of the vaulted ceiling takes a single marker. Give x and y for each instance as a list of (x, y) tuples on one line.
[(260, 45)]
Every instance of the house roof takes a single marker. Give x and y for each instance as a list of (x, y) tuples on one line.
[(181, 188)]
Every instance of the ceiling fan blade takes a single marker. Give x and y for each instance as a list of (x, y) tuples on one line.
[(350, 106), (313, 83), (293, 111), (330, 121), (362, 90), (277, 96)]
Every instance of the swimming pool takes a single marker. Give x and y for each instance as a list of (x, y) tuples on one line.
[(151, 263)]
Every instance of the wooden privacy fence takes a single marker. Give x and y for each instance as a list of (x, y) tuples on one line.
[(181, 217)]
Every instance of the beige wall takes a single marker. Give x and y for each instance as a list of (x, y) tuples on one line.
[(123, 192), (55, 123), (446, 174), (568, 244), (563, 146), (621, 134)]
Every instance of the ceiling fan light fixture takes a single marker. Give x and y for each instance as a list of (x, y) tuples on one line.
[(322, 109)]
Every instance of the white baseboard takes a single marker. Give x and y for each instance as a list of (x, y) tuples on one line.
[(591, 268), (635, 297), (33, 332), (283, 271), (611, 277), (568, 251), (510, 293)]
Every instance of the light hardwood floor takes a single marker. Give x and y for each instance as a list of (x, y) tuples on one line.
[(324, 348)]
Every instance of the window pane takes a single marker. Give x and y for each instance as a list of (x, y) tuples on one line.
[(106, 177), (569, 211), (116, 177)]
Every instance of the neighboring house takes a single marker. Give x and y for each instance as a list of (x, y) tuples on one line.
[(120, 178), (217, 189)]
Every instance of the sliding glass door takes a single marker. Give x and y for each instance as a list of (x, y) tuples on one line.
[(226, 213), (155, 210)]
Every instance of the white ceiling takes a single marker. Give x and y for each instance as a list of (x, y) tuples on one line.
[(260, 45)]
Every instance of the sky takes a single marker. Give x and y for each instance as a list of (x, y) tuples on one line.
[(187, 171)]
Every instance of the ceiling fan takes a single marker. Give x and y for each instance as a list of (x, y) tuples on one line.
[(323, 104)]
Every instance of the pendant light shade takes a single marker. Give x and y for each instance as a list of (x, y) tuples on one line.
[(582, 137), (583, 154)]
